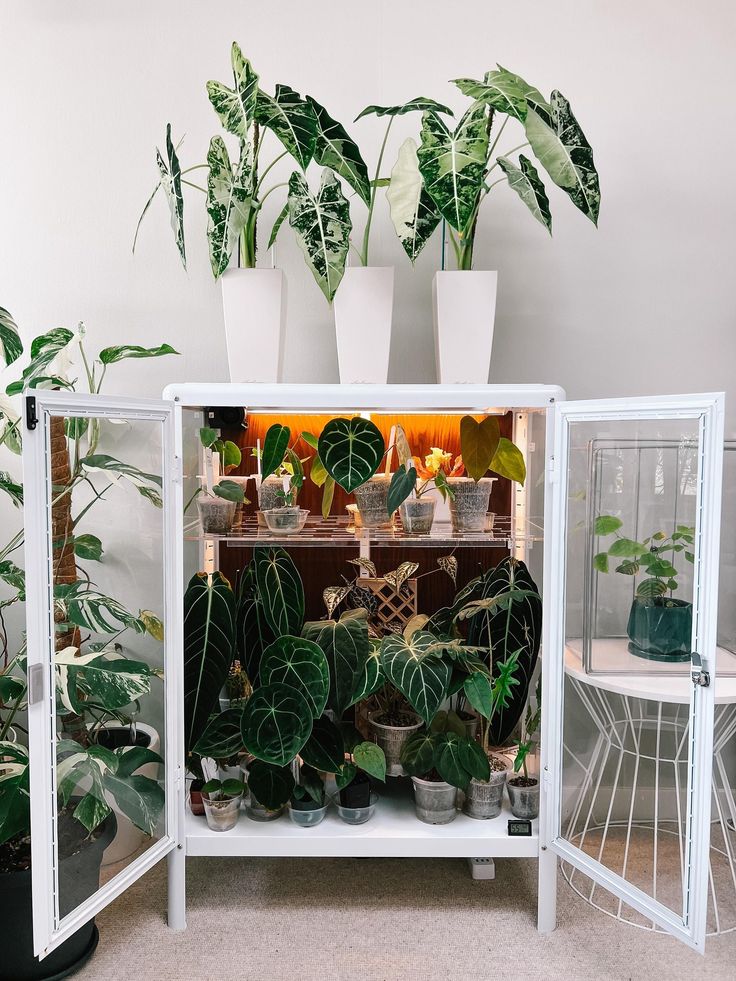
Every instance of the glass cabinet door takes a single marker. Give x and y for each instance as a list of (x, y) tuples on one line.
[(103, 541), (630, 656)]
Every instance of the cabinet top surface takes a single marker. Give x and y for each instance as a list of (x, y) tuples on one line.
[(479, 398)]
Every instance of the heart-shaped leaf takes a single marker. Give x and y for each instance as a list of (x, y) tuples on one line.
[(280, 590), (351, 450), (402, 484), (448, 564), (372, 678), (236, 107), (229, 201), (508, 461), (370, 758), (291, 120), (347, 774), (477, 688), (474, 760), (274, 449), (417, 754), (302, 664), (422, 678), (333, 597), (229, 490), (335, 149), (276, 723), (345, 644), (325, 748), (270, 785), (478, 444), (223, 737), (448, 762), (366, 565), (398, 577)]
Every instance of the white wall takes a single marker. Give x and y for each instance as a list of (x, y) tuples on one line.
[(645, 304)]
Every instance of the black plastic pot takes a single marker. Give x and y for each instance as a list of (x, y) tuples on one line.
[(17, 962), (660, 629), (357, 793)]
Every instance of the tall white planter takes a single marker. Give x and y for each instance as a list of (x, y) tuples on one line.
[(363, 310), (254, 304), (464, 304)]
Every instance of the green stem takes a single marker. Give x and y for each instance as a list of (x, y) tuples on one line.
[(90, 373), (374, 191), (195, 167), (271, 190), (195, 186), (507, 154), (498, 137)]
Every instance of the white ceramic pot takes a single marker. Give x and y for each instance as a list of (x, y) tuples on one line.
[(363, 311), (128, 838), (254, 304), (464, 305)]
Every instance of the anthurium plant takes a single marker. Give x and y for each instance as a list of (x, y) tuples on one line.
[(97, 679), (236, 188), (452, 171)]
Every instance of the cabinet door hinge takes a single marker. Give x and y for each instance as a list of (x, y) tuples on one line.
[(31, 417), (701, 677), (552, 470)]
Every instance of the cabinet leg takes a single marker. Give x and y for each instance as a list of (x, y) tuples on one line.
[(547, 891), (177, 911)]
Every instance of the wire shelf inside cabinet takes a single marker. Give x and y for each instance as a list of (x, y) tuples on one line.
[(507, 533)]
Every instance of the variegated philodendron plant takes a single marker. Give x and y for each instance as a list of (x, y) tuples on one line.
[(96, 680), (236, 189), (451, 172)]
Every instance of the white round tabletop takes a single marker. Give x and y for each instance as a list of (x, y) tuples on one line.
[(650, 680)]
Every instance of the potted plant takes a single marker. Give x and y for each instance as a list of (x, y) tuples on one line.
[(413, 483), (356, 798), (218, 502), (222, 800), (450, 175), (364, 302), (95, 782), (351, 451), (524, 789), (659, 627), (236, 192), (280, 478), (440, 762), (308, 804)]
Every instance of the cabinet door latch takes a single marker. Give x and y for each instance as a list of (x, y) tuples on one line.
[(700, 676), (31, 417)]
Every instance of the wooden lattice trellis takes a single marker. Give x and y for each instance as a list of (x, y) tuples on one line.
[(395, 610)]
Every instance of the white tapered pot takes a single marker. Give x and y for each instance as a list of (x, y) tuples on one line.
[(363, 310), (254, 304), (464, 304)]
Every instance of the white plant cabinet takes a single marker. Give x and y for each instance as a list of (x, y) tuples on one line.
[(545, 427)]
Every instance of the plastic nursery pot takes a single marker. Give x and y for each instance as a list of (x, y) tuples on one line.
[(372, 500), (306, 816), (358, 815), (196, 804), (259, 812), (216, 515), (660, 629), (391, 736), (268, 493), (469, 508), (524, 796), (222, 815), (434, 801), (484, 798), (357, 793), (285, 521), (417, 515)]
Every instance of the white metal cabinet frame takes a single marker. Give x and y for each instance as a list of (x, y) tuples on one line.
[(707, 410), (49, 928)]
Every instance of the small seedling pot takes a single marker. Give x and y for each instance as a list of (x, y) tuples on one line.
[(357, 815), (660, 629), (524, 796), (484, 798), (216, 515), (391, 739), (469, 507), (286, 521), (222, 815), (259, 812), (372, 500), (417, 515), (307, 817), (434, 801)]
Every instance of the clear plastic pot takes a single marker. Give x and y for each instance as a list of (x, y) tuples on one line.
[(222, 815), (434, 801), (469, 507), (309, 818), (357, 815), (417, 515), (216, 515), (372, 500), (286, 521)]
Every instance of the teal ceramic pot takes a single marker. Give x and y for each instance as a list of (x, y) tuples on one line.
[(660, 629)]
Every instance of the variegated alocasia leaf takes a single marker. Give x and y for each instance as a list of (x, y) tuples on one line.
[(236, 107), (11, 346), (562, 149), (420, 104), (422, 677), (170, 171), (322, 226), (336, 150), (452, 164), (398, 577), (499, 90), (526, 182), (532, 96), (413, 212), (291, 120), (229, 201)]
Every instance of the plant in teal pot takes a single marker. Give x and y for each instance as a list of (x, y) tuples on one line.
[(659, 627)]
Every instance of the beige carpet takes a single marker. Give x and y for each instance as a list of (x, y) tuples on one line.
[(377, 920)]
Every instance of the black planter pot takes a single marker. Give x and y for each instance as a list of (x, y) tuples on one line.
[(357, 793), (17, 962)]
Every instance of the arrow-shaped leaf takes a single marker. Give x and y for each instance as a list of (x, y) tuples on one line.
[(338, 151), (229, 201), (413, 212), (170, 171), (526, 182), (11, 346), (322, 226), (291, 119), (236, 107)]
